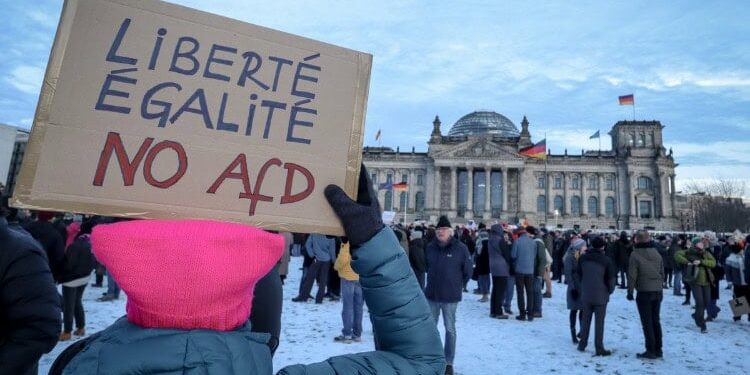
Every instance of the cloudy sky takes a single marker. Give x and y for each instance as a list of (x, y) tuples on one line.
[(562, 64)]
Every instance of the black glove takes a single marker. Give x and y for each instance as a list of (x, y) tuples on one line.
[(362, 219), (630, 297)]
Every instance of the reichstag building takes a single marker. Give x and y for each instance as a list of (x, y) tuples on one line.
[(475, 172)]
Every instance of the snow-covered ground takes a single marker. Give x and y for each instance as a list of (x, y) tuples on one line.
[(489, 346)]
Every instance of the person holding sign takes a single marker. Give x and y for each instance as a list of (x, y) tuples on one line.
[(208, 332)]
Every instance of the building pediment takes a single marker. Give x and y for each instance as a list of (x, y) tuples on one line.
[(479, 149)]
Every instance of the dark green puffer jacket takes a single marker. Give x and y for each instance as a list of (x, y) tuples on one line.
[(407, 335)]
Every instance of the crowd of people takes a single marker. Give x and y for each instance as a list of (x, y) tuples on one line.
[(429, 269), (508, 261)]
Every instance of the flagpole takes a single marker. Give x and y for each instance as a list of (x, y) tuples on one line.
[(633, 109), (600, 140), (546, 181)]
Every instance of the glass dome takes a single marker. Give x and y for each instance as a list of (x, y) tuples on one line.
[(484, 122)]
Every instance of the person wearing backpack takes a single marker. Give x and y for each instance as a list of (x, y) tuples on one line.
[(698, 263), (78, 263)]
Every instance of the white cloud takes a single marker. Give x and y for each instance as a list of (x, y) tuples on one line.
[(728, 152), (26, 78), (715, 79), (42, 18), (613, 80)]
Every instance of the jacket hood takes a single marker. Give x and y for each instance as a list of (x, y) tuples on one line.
[(496, 229)]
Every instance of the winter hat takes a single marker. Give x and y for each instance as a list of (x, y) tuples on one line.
[(531, 230), (45, 215), (577, 244), (598, 242), (443, 222), (72, 231), (695, 240), (186, 274)]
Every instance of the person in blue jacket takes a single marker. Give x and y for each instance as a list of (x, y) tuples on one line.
[(406, 336)]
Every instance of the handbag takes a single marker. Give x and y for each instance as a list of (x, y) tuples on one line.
[(739, 306)]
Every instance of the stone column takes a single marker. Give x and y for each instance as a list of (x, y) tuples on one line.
[(599, 181), (518, 187), (566, 201), (662, 195), (436, 197), (631, 193), (672, 194), (470, 192), (411, 190), (454, 178), (584, 200), (548, 194), (487, 190), (429, 187), (505, 189)]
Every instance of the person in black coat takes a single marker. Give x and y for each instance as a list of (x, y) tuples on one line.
[(595, 280), (623, 249), (416, 255), (51, 240), (29, 303), (77, 266)]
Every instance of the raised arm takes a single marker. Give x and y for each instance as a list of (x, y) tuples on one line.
[(407, 336)]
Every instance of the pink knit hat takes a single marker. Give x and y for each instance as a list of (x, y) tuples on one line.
[(188, 274)]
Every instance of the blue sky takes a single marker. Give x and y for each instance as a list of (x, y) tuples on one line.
[(562, 64)]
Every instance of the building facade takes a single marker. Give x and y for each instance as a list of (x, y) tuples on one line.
[(475, 172), (13, 148)]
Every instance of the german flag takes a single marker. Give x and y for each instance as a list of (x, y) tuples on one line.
[(537, 151), (401, 186), (626, 99)]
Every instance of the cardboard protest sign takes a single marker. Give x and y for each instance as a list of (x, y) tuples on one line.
[(154, 110)]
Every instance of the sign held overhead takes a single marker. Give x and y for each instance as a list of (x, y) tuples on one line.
[(154, 110)]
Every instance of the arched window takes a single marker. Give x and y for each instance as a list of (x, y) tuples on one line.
[(559, 204), (388, 201), (609, 206), (575, 205), (541, 204), (402, 201), (641, 141), (593, 206), (631, 139), (575, 182), (644, 182), (650, 140), (419, 201)]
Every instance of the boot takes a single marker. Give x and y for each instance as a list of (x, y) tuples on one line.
[(449, 370), (80, 332), (65, 336), (484, 298), (573, 335)]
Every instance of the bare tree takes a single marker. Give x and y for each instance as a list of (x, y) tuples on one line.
[(717, 204), (718, 187)]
